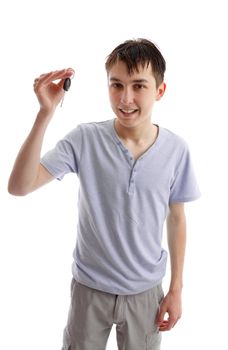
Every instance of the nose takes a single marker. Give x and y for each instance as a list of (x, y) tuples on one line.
[(127, 96)]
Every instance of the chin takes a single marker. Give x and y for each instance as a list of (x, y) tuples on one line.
[(128, 122), (127, 119)]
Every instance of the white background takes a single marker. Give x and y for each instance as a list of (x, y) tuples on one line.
[(38, 232)]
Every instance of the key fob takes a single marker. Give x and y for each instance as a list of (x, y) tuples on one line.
[(67, 84)]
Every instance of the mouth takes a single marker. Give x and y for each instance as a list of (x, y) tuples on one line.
[(128, 113)]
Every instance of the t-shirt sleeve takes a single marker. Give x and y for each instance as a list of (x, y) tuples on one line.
[(64, 158), (184, 187)]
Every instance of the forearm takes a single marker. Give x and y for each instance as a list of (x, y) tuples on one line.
[(176, 234), (176, 231), (27, 163)]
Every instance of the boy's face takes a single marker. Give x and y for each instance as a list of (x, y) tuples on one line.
[(132, 96)]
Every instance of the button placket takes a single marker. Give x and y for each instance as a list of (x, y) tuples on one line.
[(133, 164), (131, 187), (125, 152)]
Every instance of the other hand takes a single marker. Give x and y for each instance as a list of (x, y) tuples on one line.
[(170, 305)]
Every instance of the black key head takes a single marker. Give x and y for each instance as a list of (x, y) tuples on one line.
[(67, 84)]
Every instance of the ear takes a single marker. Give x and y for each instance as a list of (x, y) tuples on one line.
[(160, 91)]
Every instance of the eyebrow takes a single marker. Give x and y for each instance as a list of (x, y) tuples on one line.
[(133, 81)]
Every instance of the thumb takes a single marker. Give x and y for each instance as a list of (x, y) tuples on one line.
[(161, 314), (69, 73)]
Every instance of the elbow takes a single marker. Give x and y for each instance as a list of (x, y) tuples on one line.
[(17, 193), (16, 190)]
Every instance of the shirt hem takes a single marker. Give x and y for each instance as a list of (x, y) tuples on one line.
[(185, 200), (105, 289), (50, 170)]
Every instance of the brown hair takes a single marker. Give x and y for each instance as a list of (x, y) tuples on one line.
[(138, 52)]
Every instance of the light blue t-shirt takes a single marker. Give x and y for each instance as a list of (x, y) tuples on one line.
[(122, 204)]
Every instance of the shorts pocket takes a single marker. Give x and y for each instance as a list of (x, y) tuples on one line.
[(73, 282), (153, 340), (160, 293), (66, 340)]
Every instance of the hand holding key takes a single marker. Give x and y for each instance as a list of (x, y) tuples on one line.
[(48, 92)]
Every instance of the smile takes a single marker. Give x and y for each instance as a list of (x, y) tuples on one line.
[(128, 111)]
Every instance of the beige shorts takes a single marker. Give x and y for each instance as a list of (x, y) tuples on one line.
[(92, 314)]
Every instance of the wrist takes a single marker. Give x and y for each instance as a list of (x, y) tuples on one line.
[(46, 112), (44, 116), (176, 287)]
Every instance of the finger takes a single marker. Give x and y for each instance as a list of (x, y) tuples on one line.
[(51, 77), (43, 80), (35, 82), (46, 79), (69, 73), (164, 323), (167, 325), (163, 326), (63, 74), (161, 315), (44, 75)]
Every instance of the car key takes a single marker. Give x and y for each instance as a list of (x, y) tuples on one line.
[(66, 87)]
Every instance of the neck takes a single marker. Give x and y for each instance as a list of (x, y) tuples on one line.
[(137, 134)]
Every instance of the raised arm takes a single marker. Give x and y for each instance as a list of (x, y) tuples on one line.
[(176, 231), (28, 174)]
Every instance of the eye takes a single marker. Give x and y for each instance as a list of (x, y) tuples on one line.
[(139, 86), (116, 85)]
